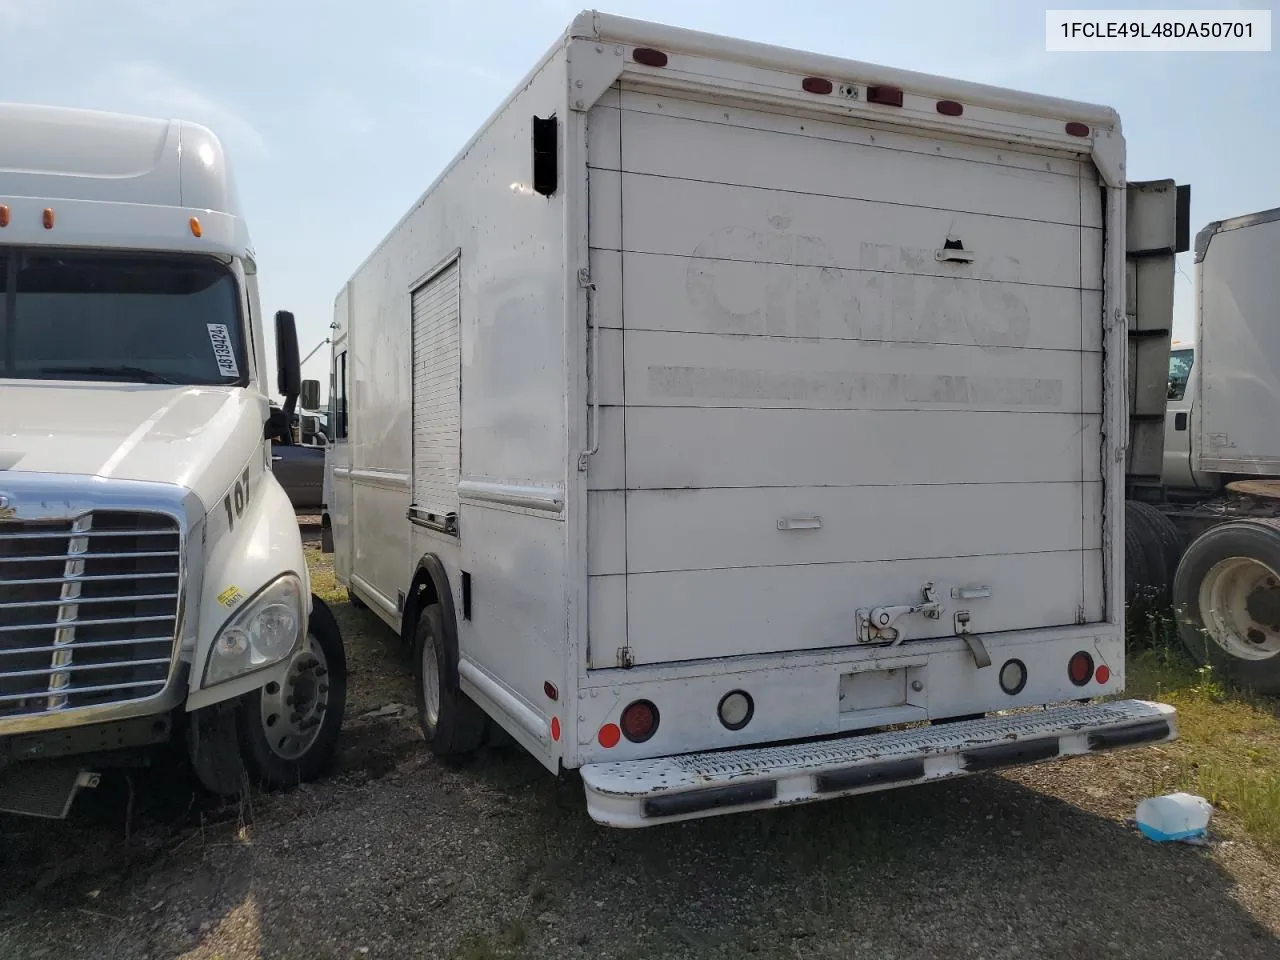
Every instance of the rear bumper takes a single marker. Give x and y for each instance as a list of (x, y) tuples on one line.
[(640, 793)]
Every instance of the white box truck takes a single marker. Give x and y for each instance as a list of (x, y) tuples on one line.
[(152, 577), (743, 427)]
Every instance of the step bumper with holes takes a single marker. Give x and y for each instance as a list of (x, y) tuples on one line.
[(640, 793)]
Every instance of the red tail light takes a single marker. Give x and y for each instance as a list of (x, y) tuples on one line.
[(1080, 668), (639, 721), (882, 93), (649, 57)]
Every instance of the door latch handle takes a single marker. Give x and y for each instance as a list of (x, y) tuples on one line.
[(879, 624), (800, 523)]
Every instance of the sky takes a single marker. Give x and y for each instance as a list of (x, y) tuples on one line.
[(337, 116)]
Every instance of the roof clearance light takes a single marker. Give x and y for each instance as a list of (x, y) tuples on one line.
[(884, 94), (196, 229), (48, 218), (817, 85), (950, 108), (4, 215), (647, 56), (1077, 129)]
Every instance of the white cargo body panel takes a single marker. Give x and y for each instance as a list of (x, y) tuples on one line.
[(1237, 389), (821, 411), (693, 382)]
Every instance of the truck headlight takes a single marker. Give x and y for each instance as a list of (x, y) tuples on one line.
[(265, 631)]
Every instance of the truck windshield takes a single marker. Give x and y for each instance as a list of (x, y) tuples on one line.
[(145, 318)]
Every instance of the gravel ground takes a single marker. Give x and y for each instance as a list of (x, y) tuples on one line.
[(394, 855)]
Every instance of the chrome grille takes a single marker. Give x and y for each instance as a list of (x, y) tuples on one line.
[(88, 610)]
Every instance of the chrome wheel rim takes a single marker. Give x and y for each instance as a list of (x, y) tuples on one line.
[(431, 680), (293, 711), (1240, 606)]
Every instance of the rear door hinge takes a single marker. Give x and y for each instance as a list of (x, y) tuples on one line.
[(625, 660)]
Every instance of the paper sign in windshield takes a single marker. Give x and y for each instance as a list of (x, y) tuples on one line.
[(223, 351)]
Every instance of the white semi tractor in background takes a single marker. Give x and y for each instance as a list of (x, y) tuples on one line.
[(152, 577), (721, 405), (1206, 536)]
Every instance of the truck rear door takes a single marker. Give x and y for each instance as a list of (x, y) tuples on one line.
[(838, 364)]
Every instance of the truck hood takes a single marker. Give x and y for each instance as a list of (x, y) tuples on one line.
[(196, 437)]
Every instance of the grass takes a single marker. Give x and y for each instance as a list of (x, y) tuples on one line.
[(1228, 747)]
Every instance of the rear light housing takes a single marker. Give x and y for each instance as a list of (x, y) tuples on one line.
[(735, 710), (1013, 677), (647, 56), (884, 94), (1080, 668), (639, 721)]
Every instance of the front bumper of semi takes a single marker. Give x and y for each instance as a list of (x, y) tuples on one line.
[(640, 793)]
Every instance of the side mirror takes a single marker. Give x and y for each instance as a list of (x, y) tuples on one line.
[(277, 426), (309, 397), (288, 366)]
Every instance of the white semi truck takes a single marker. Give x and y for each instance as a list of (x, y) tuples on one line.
[(1207, 537), (152, 578), (744, 427)]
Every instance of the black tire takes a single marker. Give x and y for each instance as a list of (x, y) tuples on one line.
[(228, 744), (1143, 561), (1163, 545), (264, 765), (1258, 540), (458, 729)]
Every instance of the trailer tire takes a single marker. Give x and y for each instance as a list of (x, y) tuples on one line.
[(1143, 561), (1161, 548), (453, 726), (1227, 598)]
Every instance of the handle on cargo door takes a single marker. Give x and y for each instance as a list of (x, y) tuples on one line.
[(593, 358), (800, 523), (950, 255)]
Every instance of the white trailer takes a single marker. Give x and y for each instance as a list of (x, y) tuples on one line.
[(153, 584), (742, 427), (1207, 540)]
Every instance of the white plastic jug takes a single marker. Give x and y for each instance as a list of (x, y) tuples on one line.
[(1176, 816)]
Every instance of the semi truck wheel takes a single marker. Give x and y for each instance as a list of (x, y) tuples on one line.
[(1227, 597), (290, 731), (451, 723), (1143, 559), (1153, 548), (282, 734)]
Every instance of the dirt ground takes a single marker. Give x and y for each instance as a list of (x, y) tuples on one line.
[(394, 855)]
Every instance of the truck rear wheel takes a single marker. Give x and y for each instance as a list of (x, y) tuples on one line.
[(451, 723), (1227, 595)]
